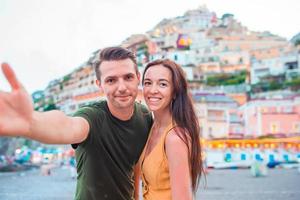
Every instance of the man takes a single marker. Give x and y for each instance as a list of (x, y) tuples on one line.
[(108, 136)]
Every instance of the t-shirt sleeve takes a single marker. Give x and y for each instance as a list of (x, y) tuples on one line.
[(89, 114)]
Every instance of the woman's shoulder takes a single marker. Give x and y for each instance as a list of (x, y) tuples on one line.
[(176, 147), (176, 137)]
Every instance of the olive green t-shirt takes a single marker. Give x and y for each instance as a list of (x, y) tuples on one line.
[(106, 159)]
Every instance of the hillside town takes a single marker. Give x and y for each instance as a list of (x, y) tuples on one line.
[(245, 84)]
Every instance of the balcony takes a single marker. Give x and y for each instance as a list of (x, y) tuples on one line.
[(216, 118)]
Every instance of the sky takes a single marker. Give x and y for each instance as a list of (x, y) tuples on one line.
[(45, 39)]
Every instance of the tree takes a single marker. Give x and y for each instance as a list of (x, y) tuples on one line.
[(297, 42)]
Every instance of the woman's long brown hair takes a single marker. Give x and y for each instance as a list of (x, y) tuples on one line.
[(184, 115)]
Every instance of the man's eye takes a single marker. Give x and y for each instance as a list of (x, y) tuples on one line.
[(110, 81), (129, 77)]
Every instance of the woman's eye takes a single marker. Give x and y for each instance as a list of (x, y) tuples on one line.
[(147, 83), (163, 84)]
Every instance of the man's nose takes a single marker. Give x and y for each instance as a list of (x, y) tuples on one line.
[(122, 86)]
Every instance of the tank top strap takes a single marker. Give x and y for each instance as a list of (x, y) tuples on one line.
[(167, 131)]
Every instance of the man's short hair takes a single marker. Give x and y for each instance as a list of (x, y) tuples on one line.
[(113, 54)]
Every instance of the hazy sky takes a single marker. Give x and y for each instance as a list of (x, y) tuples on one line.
[(45, 39)]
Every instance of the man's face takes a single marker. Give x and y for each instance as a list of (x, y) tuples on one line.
[(119, 82)]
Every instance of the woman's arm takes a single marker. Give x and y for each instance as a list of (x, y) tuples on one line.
[(178, 160), (137, 176)]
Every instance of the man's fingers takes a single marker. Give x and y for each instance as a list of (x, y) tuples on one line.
[(10, 76)]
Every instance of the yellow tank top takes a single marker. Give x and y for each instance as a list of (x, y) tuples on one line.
[(155, 171)]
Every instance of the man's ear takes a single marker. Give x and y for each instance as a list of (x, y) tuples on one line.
[(98, 83), (139, 76)]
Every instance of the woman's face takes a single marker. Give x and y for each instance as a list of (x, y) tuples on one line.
[(158, 88)]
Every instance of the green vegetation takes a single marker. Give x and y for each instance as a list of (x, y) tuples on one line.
[(272, 85), (268, 83), (142, 54), (66, 78), (48, 107), (294, 84), (40, 104), (226, 15), (227, 79), (297, 42)]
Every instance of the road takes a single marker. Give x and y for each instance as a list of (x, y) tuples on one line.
[(280, 184), (31, 185)]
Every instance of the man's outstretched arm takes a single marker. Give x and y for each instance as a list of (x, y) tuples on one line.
[(17, 117), (54, 127)]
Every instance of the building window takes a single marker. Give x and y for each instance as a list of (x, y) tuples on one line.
[(296, 127), (288, 109), (241, 61), (175, 57), (243, 156), (210, 134), (237, 130), (278, 109), (274, 127)]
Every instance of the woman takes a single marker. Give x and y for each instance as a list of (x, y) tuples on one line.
[(171, 163)]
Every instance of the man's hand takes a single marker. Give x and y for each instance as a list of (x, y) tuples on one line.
[(16, 107), (17, 117)]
